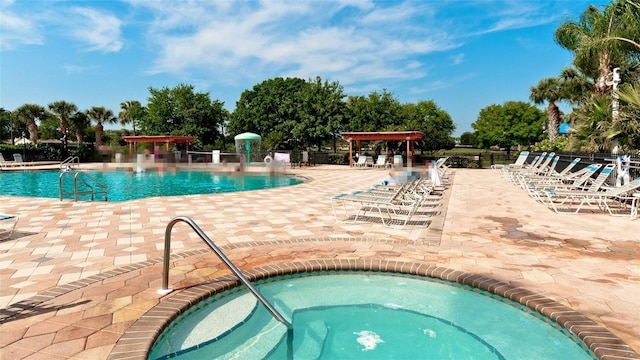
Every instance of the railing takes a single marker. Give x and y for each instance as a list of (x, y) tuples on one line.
[(86, 180), (70, 163), (167, 253)]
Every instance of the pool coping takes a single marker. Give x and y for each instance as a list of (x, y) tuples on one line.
[(138, 339)]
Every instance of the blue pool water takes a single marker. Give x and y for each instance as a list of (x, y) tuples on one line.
[(365, 316), (126, 185)]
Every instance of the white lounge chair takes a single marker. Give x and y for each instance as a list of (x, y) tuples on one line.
[(571, 181), (18, 159), (362, 162), (381, 162), (394, 204), (522, 157), (540, 167), (563, 201), (7, 225), (551, 177), (7, 164)]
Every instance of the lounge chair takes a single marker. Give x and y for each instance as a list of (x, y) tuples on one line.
[(7, 225), (7, 164), (628, 200), (362, 162), (381, 162), (562, 201), (369, 161), (583, 183), (508, 172), (393, 204), (18, 159), (571, 181), (540, 167), (552, 176), (522, 157)]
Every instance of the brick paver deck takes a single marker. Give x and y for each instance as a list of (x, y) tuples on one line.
[(76, 276)]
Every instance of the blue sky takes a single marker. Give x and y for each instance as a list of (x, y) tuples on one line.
[(465, 55)]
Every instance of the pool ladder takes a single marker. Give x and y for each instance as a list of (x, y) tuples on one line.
[(165, 271), (70, 162), (79, 177)]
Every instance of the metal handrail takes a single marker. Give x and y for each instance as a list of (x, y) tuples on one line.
[(77, 177), (167, 252), (70, 162)]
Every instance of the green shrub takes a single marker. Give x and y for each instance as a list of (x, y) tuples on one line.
[(559, 144)]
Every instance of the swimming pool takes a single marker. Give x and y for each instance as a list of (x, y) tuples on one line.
[(365, 315), (127, 185)]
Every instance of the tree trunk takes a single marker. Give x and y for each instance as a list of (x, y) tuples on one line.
[(553, 115), (79, 137), (604, 73), (99, 130), (64, 128), (33, 133)]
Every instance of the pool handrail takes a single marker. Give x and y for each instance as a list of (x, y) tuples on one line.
[(167, 253), (70, 162), (77, 176)]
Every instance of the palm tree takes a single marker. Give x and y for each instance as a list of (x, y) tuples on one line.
[(29, 114), (131, 112), (64, 110), (100, 115), (576, 86), (79, 122), (595, 40), (632, 19), (550, 90), (593, 125), (627, 125)]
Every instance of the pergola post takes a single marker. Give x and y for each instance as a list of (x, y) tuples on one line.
[(350, 152)]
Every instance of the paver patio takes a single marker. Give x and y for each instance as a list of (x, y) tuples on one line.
[(76, 276)]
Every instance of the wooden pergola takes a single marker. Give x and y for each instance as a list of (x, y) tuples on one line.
[(409, 136), (166, 139)]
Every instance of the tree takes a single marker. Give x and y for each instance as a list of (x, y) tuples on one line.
[(627, 125), (63, 110), (79, 122), (592, 124), (49, 128), (131, 112), (6, 125), (29, 114), (322, 113), (595, 40), (550, 90), (510, 124), (576, 86), (375, 112), (469, 138), (271, 106), (100, 115), (435, 123), (631, 17), (181, 111)]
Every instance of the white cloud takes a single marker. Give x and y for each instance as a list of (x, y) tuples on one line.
[(401, 12), (457, 59), (294, 38), (17, 29), (98, 30), (510, 15), (76, 69)]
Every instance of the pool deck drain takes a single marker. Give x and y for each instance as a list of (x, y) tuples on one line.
[(102, 269)]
